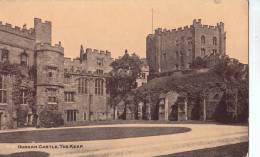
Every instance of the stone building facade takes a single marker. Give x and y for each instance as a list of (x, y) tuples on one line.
[(76, 88), (169, 50), (86, 97)]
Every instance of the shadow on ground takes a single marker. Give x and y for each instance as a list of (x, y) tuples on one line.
[(234, 150), (27, 154), (86, 134)]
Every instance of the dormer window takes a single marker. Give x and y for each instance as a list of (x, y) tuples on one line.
[(24, 59)]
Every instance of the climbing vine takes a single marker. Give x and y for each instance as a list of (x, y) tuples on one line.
[(22, 82)]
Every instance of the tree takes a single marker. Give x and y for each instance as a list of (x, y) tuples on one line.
[(124, 74)]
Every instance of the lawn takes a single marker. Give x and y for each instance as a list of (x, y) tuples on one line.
[(86, 134), (234, 150)]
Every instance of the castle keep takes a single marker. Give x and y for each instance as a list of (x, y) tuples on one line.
[(176, 49), (75, 88)]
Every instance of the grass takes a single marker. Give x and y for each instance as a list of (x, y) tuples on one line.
[(86, 134), (109, 122), (234, 150), (27, 154)]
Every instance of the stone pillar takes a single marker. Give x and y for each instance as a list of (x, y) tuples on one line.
[(115, 113), (148, 111), (186, 108), (166, 109), (204, 109)]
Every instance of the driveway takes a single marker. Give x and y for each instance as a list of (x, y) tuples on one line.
[(201, 136)]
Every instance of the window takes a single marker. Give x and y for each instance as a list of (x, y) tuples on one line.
[(2, 89), (50, 74), (52, 95), (100, 61), (99, 86), (214, 40), (84, 116), (99, 71), (4, 55), (71, 115), (177, 54), (69, 96), (52, 99), (23, 96), (202, 52), (24, 58), (203, 40), (164, 56), (214, 51), (51, 71), (82, 85), (67, 78), (90, 99)]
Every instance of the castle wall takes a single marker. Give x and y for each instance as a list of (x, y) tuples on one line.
[(175, 49), (7, 109), (16, 44)]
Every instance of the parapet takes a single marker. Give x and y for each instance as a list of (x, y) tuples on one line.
[(197, 22), (38, 20), (24, 32), (105, 53), (47, 47)]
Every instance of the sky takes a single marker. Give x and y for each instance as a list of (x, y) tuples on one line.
[(116, 25)]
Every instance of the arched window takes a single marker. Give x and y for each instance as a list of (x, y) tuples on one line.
[(214, 40), (203, 40), (24, 58)]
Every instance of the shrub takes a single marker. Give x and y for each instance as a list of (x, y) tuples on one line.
[(49, 118)]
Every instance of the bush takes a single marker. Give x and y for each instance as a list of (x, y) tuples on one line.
[(50, 119)]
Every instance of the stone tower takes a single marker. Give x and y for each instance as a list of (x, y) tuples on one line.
[(176, 49), (50, 70)]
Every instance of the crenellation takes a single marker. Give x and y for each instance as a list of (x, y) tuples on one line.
[(179, 29), (108, 53), (186, 27), (48, 46), (17, 30), (205, 26), (88, 50), (163, 54), (95, 51)]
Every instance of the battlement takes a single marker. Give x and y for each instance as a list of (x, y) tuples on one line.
[(48, 47), (172, 31), (105, 53), (24, 32), (196, 23), (38, 20), (71, 60)]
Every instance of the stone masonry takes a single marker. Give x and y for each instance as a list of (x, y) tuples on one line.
[(169, 50)]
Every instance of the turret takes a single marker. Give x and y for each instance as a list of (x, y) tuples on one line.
[(42, 31), (81, 53)]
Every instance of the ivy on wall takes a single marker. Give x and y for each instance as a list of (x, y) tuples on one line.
[(22, 82)]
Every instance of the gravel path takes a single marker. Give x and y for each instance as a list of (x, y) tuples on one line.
[(201, 136)]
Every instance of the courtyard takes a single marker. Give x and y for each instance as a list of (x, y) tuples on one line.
[(124, 139)]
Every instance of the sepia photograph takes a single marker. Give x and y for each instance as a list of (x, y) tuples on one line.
[(132, 78)]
